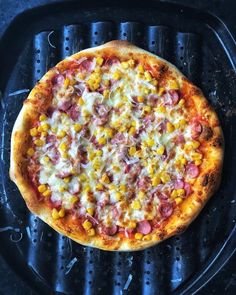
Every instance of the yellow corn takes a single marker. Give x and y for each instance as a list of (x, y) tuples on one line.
[(125, 65), (42, 117), (147, 238), (132, 130), (161, 109), (180, 192), (106, 93), (106, 82), (45, 127), (123, 188), (61, 212), (90, 211), (181, 102), (55, 214), (66, 82), (105, 178), (136, 205), (132, 150), (87, 225), (47, 193), (117, 75), (61, 134), (160, 150), (99, 60), (132, 224), (195, 144), (102, 140), (156, 180), (62, 189), (173, 84), (44, 134), (96, 164), (33, 132), (63, 146), (116, 168), (141, 195), (80, 101), (131, 62), (170, 127), (39, 142), (99, 153), (140, 99), (30, 152), (83, 177), (46, 159), (147, 91), (74, 199), (154, 83), (67, 179), (87, 188), (91, 232), (108, 132), (198, 162), (147, 109), (178, 201), (161, 91), (165, 177), (99, 187), (77, 127), (118, 196), (140, 68), (42, 188), (148, 76), (138, 236), (150, 142)]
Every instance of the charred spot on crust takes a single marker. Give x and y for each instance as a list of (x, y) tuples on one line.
[(207, 133), (209, 179), (205, 180), (218, 142), (162, 235), (196, 91), (180, 229)]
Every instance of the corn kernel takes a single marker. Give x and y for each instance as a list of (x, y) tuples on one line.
[(90, 211), (156, 180), (132, 131), (132, 150), (42, 117), (198, 162), (148, 76), (87, 188), (46, 159), (42, 188), (125, 65), (173, 84), (96, 164), (39, 142), (123, 188), (30, 152), (147, 109), (132, 224), (150, 142), (99, 153), (99, 60), (61, 134), (80, 101), (141, 195), (65, 155), (116, 168), (154, 82), (160, 150), (174, 194), (112, 186), (33, 132), (55, 214), (147, 91), (140, 68), (147, 238), (105, 178), (133, 123), (161, 91), (62, 189), (44, 134), (74, 199), (136, 205), (83, 177), (106, 83), (61, 212), (165, 177), (178, 201), (131, 62), (108, 132), (106, 93), (118, 196), (195, 144), (87, 225), (117, 75), (66, 82), (170, 127), (161, 109), (63, 146), (91, 232), (102, 140), (140, 99), (67, 179), (181, 102), (99, 187), (196, 156), (183, 161), (91, 156), (47, 193), (40, 129), (180, 192), (138, 236), (77, 127)]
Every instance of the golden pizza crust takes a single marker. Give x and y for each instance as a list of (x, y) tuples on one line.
[(205, 185)]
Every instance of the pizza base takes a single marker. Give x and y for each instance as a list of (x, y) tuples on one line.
[(205, 185)]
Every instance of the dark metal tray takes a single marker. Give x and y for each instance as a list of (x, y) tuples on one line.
[(200, 45)]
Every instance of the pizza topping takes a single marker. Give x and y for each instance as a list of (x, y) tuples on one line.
[(117, 150), (192, 171)]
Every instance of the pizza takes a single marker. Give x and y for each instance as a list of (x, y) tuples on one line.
[(116, 149)]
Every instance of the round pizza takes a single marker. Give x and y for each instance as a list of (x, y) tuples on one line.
[(116, 149)]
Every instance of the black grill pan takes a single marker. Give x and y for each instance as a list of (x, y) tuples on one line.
[(200, 45)]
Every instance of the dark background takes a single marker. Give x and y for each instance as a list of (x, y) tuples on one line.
[(225, 281)]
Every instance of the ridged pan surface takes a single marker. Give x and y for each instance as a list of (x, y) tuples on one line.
[(50, 261)]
